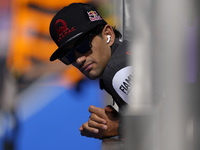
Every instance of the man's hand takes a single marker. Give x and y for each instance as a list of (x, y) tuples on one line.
[(102, 123)]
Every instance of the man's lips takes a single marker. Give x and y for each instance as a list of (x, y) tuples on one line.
[(87, 67)]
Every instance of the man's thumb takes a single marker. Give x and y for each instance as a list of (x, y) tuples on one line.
[(110, 111), (109, 108)]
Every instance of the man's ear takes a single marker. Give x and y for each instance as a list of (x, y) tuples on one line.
[(108, 34)]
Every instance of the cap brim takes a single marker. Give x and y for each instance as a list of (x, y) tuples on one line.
[(66, 44)]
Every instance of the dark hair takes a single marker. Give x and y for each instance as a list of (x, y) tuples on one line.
[(117, 33)]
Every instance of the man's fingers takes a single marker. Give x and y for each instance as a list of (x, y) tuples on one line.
[(97, 119), (89, 134), (81, 128), (89, 129), (98, 111), (96, 125)]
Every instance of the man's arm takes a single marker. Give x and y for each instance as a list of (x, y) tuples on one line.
[(103, 123)]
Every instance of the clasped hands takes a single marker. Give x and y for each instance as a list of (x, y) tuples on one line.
[(102, 123)]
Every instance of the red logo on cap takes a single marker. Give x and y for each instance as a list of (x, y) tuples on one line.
[(63, 30)]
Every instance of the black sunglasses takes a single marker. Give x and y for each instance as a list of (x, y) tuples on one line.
[(82, 46)]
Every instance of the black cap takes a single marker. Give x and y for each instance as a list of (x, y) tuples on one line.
[(72, 22)]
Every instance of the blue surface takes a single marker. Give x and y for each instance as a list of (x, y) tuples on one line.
[(55, 126)]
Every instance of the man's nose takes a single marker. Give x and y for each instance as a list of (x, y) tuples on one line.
[(80, 60)]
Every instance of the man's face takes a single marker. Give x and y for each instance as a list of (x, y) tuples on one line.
[(93, 62)]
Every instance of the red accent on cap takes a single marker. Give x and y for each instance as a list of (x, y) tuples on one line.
[(62, 28)]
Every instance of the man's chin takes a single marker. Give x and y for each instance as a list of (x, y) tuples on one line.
[(92, 76)]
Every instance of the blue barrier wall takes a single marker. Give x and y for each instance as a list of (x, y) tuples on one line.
[(50, 117)]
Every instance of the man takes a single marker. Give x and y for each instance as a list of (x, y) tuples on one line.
[(86, 41)]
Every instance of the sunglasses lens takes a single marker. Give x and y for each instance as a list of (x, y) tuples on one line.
[(85, 45), (69, 58), (82, 46)]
